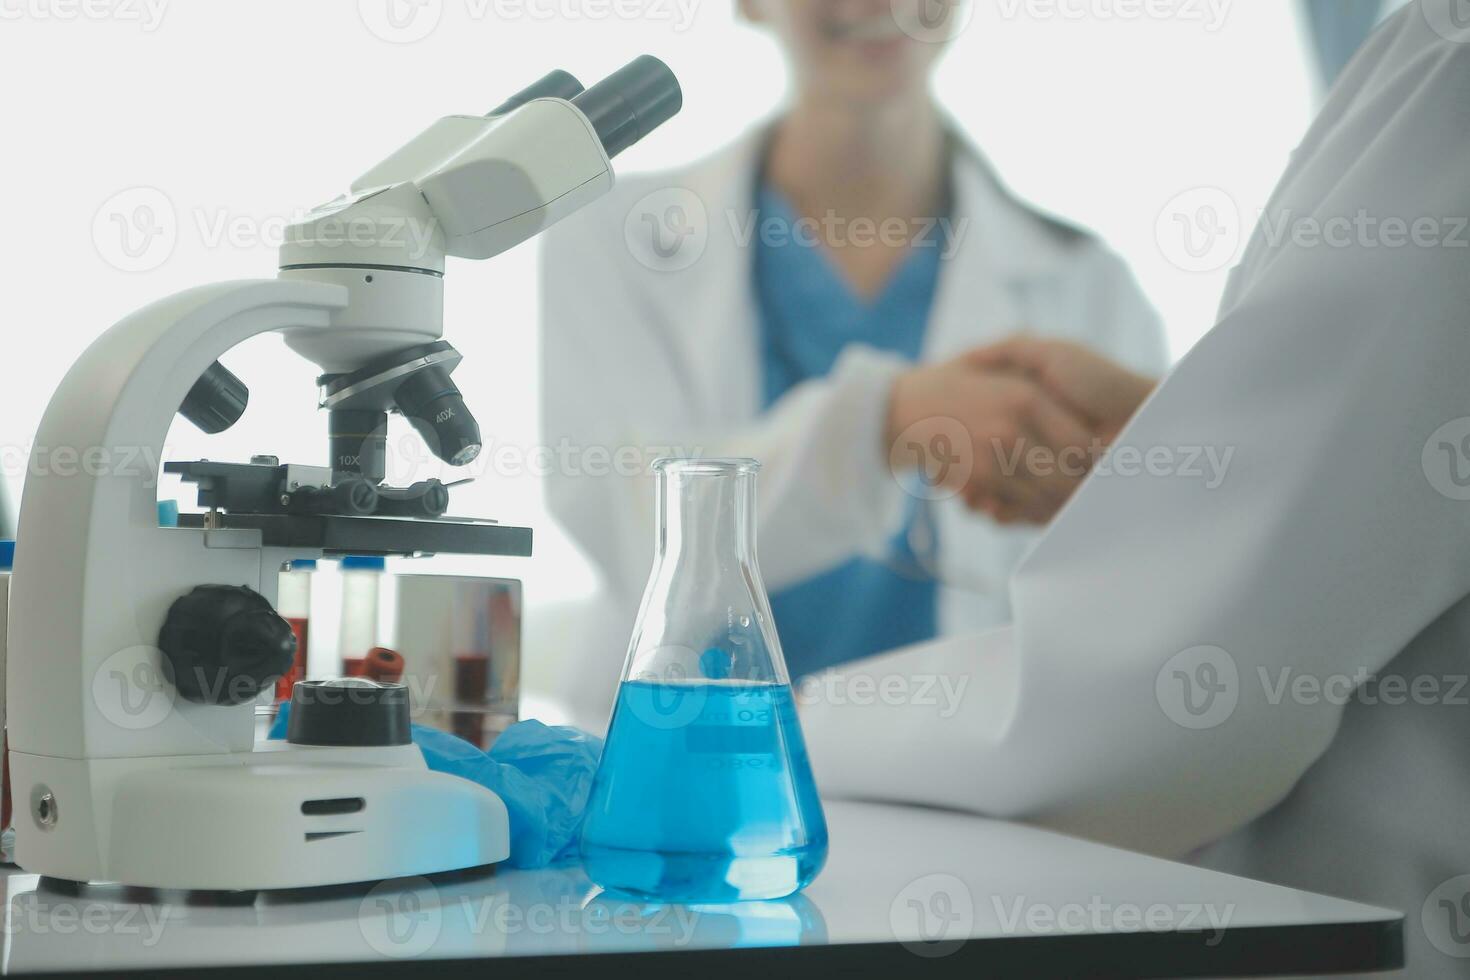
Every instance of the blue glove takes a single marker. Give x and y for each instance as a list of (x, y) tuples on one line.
[(544, 774)]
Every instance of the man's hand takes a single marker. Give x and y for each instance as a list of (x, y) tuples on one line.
[(1007, 422), (1104, 394)]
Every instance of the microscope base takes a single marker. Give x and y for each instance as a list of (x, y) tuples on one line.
[(283, 816)]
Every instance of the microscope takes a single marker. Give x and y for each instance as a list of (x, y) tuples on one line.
[(137, 652)]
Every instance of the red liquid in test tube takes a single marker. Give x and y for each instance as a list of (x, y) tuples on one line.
[(297, 672), (471, 686)]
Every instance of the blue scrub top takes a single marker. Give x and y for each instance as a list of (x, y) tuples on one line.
[(809, 315)]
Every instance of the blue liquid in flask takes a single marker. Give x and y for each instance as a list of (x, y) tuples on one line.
[(705, 794)]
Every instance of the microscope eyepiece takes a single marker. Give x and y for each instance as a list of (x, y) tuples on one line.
[(631, 103), (553, 85)]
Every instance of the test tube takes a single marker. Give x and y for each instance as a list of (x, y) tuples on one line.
[(293, 603), (361, 580)]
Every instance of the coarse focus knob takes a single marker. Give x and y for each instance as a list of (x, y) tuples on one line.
[(216, 401), (224, 644)]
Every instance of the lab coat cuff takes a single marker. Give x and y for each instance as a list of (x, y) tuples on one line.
[(866, 376)]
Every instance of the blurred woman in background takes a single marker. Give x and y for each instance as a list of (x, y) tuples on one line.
[(820, 296)]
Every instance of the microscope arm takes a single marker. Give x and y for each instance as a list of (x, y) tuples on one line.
[(94, 573)]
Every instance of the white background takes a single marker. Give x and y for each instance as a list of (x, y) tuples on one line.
[(234, 115)]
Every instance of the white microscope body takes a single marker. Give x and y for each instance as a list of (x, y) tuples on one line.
[(117, 775)]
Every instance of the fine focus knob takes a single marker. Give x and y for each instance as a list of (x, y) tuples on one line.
[(349, 711), (224, 644)]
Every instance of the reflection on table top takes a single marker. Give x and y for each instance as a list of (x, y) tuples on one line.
[(930, 881)]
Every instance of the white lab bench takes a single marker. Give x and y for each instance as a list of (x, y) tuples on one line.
[(906, 891)]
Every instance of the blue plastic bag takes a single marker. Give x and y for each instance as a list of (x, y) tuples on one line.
[(543, 773)]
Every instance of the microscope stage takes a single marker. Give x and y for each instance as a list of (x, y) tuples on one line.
[(336, 535)]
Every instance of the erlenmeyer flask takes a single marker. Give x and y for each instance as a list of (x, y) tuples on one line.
[(705, 792)]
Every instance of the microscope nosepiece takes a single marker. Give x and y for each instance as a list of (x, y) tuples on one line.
[(631, 103)]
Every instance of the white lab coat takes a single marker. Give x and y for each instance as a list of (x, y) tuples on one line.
[(1328, 552), (663, 356)]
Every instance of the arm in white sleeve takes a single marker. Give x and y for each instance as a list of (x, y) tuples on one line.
[(1144, 695), (1133, 331), (616, 393)]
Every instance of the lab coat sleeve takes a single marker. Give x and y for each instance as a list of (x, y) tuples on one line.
[(1132, 331), (1187, 633), (616, 388)]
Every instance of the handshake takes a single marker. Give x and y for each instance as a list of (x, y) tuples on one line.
[(1012, 429)]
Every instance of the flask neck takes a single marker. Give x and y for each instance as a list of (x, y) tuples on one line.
[(705, 615), (706, 519)]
